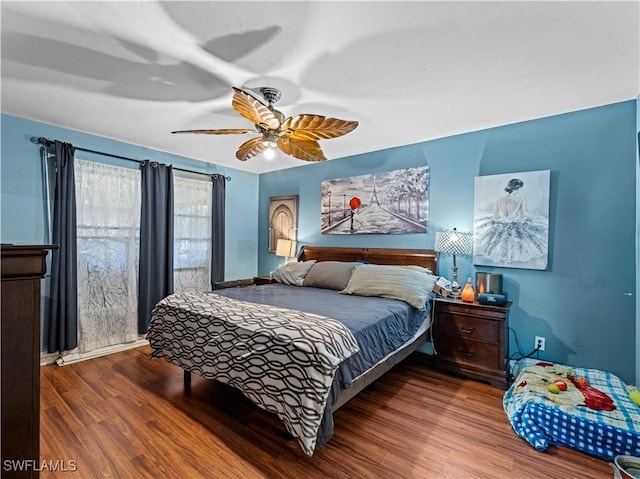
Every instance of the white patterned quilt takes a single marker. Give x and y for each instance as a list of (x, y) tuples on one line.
[(281, 359)]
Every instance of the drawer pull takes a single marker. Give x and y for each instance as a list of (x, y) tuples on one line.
[(467, 330), (464, 352)]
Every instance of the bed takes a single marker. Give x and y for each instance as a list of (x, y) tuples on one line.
[(592, 412), (301, 347)]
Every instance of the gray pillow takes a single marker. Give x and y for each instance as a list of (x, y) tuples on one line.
[(293, 272), (330, 275), (411, 285)]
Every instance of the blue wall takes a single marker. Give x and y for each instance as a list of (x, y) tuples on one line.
[(584, 303), (637, 240), (22, 194)]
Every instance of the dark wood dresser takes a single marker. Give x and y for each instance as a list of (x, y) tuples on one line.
[(21, 270), (471, 339)]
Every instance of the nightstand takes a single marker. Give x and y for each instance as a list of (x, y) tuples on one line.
[(258, 280), (471, 339)]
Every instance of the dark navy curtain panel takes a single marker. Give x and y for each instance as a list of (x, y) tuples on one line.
[(61, 322), (217, 228), (155, 278)]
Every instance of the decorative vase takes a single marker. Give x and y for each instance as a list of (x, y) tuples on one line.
[(467, 294)]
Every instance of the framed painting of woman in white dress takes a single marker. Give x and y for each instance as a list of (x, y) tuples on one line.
[(511, 220)]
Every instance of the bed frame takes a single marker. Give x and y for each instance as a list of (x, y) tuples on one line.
[(390, 256), (421, 257)]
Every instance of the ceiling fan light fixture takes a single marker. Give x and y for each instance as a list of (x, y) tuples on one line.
[(269, 154), (269, 139)]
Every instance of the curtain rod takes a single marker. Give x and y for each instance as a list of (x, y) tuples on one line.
[(46, 142)]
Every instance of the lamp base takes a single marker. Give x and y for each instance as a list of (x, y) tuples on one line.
[(455, 286), (456, 290)]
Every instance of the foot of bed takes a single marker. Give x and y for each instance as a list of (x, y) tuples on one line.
[(187, 381)]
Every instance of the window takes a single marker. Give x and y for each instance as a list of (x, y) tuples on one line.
[(108, 229), (192, 234), (108, 233)]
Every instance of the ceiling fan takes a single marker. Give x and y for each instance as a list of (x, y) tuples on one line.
[(296, 136)]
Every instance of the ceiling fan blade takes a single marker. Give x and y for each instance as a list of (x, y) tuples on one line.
[(227, 131), (254, 110), (250, 148), (307, 150), (316, 127)]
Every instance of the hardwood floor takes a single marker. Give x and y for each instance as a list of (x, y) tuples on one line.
[(125, 416)]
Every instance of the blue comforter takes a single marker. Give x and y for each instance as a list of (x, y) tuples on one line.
[(379, 325)]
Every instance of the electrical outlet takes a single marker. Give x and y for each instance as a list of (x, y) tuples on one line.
[(539, 344)]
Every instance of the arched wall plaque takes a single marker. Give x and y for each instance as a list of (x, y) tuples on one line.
[(283, 219)]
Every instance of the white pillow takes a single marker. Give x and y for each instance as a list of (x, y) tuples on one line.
[(293, 272), (396, 282), (418, 268)]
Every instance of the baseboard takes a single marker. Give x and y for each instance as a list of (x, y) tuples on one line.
[(48, 358), (75, 356)]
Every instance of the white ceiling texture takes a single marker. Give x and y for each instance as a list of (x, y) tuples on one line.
[(406, 71)]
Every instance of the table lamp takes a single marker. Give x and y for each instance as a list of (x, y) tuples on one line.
[(286, 248), (454, 243)]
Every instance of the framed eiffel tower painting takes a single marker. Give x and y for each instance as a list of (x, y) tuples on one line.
[(393, 202)]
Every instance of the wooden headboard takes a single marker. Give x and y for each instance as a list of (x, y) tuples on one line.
[(421, 257)]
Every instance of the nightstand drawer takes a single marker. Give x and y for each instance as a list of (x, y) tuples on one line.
[(457, 325), (473, 309), (460, 350)]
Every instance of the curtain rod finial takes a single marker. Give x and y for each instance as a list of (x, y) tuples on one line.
[(40, 140)]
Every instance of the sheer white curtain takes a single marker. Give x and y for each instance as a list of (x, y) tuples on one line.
[(108, 230), (192, 234), (108, 212)]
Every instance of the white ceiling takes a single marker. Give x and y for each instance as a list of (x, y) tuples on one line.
[(407, 71)]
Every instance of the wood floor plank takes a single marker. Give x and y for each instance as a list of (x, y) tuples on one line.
[(125, 416)]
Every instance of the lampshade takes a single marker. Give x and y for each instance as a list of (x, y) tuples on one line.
[(286, 248), (454, 242)]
